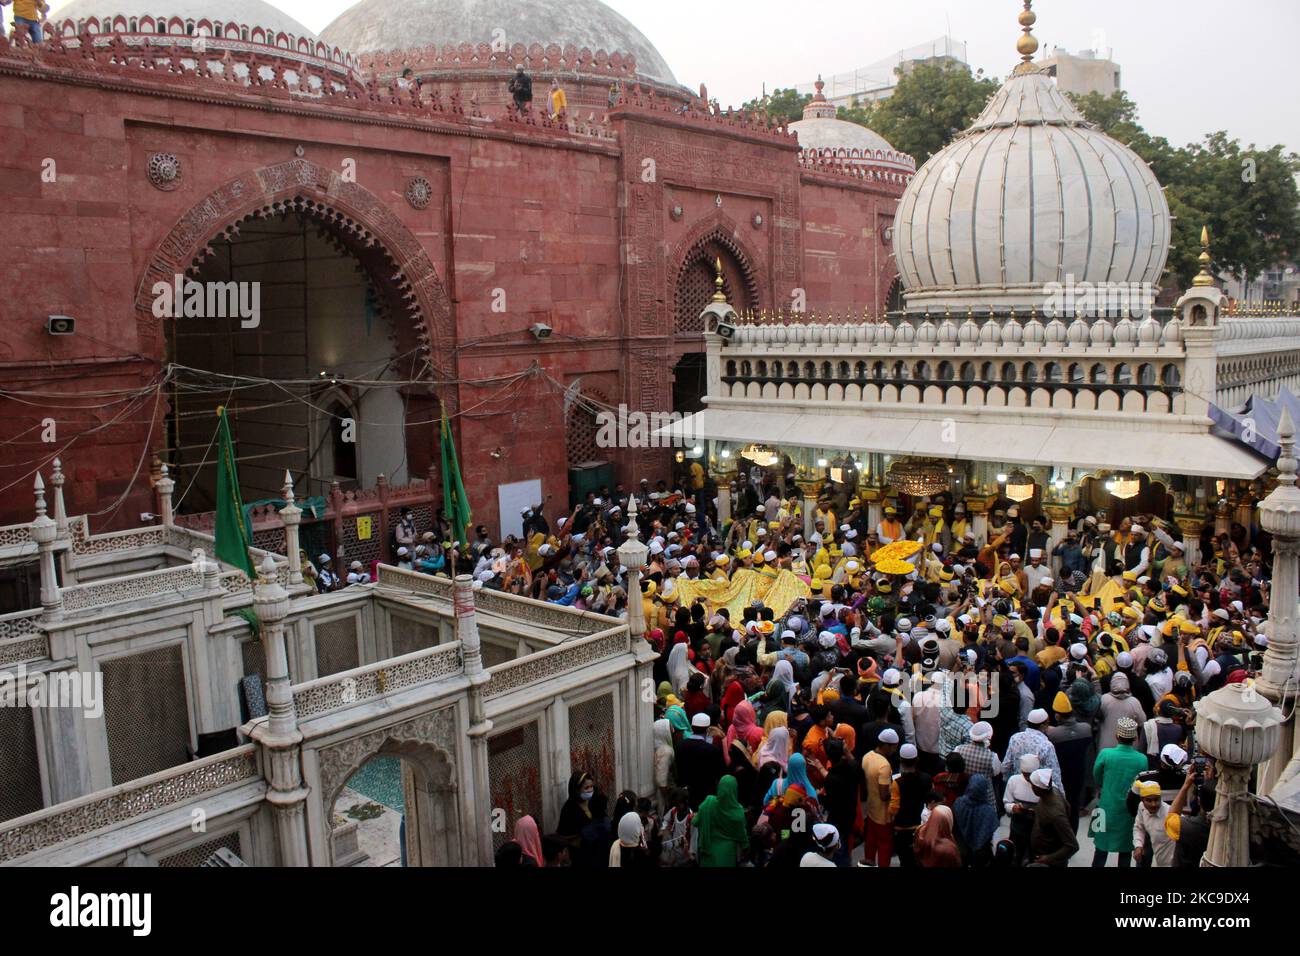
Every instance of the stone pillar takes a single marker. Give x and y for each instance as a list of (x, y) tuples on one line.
[(164, 487), (977, 509), (44, 532), (875, 506), (1059, 515), (278, 735), (1238, 728), (291, 516), (60, 512), (471, 650), (724, 500), (640, 691), (1280, 517), (1190, 526), (1222, 517)]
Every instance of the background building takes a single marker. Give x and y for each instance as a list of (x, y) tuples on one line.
[(877, 81), (1087, 71)]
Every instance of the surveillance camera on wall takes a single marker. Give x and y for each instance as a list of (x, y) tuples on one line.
[(540, 330), (60, 324)]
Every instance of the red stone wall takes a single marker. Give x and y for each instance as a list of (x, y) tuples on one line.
[(565, 227)]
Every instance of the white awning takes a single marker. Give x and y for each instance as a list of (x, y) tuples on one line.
[(1191, 452)]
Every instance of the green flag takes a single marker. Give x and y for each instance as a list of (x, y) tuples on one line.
[(233, 537), (454, 502)]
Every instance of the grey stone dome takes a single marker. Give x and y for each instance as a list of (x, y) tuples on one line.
[(253, 13), (1031, 194), (374, 26)]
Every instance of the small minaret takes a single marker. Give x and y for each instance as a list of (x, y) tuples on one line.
[(291, 516), (44, 532)]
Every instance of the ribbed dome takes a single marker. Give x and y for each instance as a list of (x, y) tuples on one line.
[(818, 133), (253, 13), (374, 26), (1031, 194)]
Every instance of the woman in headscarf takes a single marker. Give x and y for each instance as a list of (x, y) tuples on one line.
[(576, 812), (744, 727), (529, 840), (630, 847), (975, 822), (796, 774), (679, 668), (780, 689), (659, 644), (773, 757), (731, 698), (664, 758), (678, 720), (721, 826), (934, 844), (849, 736), (665, 698)]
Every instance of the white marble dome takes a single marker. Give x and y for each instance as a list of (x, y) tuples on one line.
[(1031, 194), (252, 13), (374, 26), (819, 132)]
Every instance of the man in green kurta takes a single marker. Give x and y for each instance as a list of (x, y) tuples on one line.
[(1116, 768)]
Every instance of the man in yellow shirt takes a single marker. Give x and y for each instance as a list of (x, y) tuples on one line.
[(560, 103), (880, 777), (28, 15)]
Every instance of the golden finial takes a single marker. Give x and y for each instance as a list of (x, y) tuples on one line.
[(1203, 278), (1027, 45), (718, 294)]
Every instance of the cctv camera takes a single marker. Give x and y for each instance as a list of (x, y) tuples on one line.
[(540, 330)]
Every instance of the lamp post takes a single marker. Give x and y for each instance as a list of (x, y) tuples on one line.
[(1238, 728)]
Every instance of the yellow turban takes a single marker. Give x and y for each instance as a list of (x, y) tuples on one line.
[(1148, 788)]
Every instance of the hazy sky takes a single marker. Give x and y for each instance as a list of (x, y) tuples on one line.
[(1192, 66)]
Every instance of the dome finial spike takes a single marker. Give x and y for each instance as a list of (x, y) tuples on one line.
[(718, 294), (1027, 45), (1204, 279)]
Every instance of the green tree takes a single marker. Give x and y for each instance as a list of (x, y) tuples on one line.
[(1247, 196), (781, 105), (930, 105)]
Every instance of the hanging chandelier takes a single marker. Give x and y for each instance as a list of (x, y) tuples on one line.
[(1020, 486), (1124, 488), (760, 455), (918, 477)]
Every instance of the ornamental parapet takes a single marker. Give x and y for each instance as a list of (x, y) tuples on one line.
[(1086, 364), (199, 34)]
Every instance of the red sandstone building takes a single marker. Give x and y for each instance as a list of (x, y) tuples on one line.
[(406, 233)]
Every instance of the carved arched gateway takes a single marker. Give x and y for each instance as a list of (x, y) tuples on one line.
[(694, 258), (354, 214), (425, 745)]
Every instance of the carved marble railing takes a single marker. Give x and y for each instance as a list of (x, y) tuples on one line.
[(562, 659), (21, 639), (127, 803), (1089, 364), (132, 587), (1256, 355), (874, 165), (114, 542), (374, 680), (510, 606)]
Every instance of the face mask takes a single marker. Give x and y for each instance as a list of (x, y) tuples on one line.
[(588, 794)]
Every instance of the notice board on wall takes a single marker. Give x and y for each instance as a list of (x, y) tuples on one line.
[(514, 498)]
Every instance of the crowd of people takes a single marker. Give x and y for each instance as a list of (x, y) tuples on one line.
[(904, 691)]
